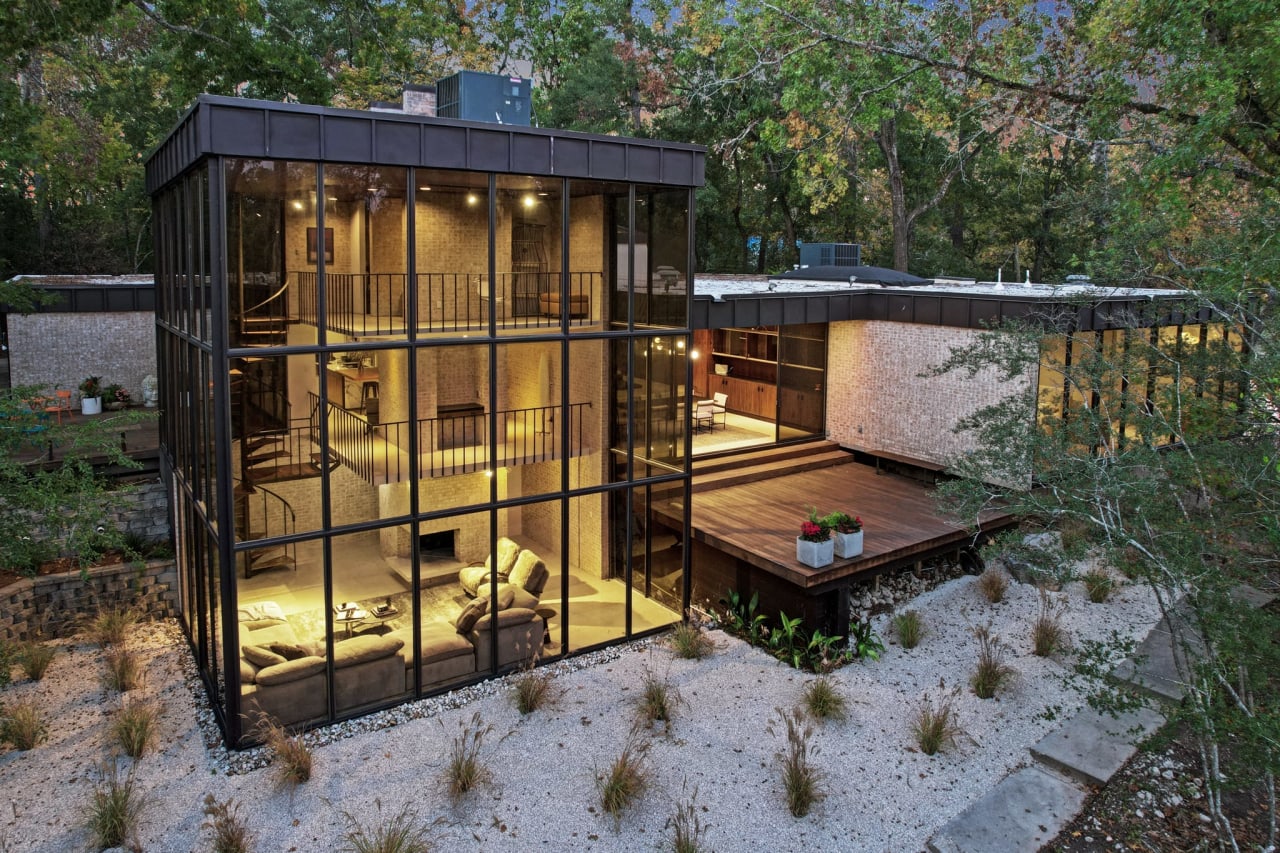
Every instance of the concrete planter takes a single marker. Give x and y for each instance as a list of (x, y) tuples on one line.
[(847, 544), (815, 554), (91, 405)]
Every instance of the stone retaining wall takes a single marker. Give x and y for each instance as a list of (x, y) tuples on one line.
[(143, 509), (54, 605), (884, 593)]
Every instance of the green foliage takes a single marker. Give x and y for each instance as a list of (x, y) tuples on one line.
[(291, 758), (1098, 584), (864, 644), (690, 642), (124, 670), (801, 780), (1047, 632), (22, 725), (935, 726), (823, 700), (403, 832), (34, 658), (463, 769), (741, 618), (115, 808), (909, 626), (658, 700), (625, 780), (990, 673), (134, 727), (111, 626)]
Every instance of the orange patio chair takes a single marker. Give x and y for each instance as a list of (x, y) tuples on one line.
[(61, 403)]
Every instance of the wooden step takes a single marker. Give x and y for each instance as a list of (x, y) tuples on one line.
[(734, 476), (261, 440), (759, 456)]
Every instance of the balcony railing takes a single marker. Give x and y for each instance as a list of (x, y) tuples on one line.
[(455, 444), (377, 303)]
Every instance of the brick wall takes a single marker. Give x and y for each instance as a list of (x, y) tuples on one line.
[(55, 605), (58, 350), (877, 401)]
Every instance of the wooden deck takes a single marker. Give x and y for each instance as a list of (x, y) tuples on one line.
[(757, 522)]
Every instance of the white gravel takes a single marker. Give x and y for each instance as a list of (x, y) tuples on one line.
[(881, 794)]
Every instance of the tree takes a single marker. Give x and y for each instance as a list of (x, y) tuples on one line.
[(1159, 457)]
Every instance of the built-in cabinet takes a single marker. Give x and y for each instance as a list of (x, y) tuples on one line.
[(777, 374)]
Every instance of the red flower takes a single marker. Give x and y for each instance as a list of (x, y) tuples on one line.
[(813, 532)]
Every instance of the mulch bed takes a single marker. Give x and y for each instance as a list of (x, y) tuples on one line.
[(1156, 802)]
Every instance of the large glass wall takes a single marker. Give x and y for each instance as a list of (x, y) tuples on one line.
[(439, 449)]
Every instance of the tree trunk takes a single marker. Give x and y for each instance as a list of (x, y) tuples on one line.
[(887, 138)]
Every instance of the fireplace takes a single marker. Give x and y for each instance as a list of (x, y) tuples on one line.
[(437, 547)]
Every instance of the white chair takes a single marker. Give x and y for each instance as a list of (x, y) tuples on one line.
[(703, 416), (719, 408), (488, 300)]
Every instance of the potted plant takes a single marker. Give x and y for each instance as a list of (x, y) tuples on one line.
[(814, 547), (91, 395), (846, 533), (116, 397)]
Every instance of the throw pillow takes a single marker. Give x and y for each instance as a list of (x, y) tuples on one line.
[(471, 614), (288, 651), (260, 656), (248, 672)]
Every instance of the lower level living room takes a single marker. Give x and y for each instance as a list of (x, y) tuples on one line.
[(546, 606)]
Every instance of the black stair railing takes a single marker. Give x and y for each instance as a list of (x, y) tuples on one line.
[(264, 514)]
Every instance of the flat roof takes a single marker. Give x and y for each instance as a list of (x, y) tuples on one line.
[(241, 127), (80, 294), (721, 301)]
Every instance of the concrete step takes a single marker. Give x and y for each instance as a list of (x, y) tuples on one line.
[(1091, 746), (1020, 815)]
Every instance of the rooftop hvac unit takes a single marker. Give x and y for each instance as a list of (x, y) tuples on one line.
[(475, 96), (830, 255)]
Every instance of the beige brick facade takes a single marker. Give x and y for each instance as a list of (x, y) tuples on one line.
[(58, 350), (876, 399)]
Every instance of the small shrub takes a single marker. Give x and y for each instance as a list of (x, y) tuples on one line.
[(34, 658), (690, 642), (7, 655), (686, 826), (993, 583), (823, 701), (801, 781), (290, 755), (657, 701), (114, 810), (464, 770), (909, 626), (230, 834), (864, 644), (1098, 584), (625, 780), (110, 627), (134, 727), (403, 832), (22, 725), (935, 727), (532, 687), (991, 673), (124, 670), (1047, 633)]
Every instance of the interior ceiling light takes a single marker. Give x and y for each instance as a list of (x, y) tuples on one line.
[(297, 205), (471, 198), (425, 189), (528, 201)]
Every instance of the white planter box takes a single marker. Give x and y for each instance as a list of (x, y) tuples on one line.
[(815, 554), (90, 405), (847, 544)]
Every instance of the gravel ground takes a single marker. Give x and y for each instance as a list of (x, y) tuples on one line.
[(881, 794)]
